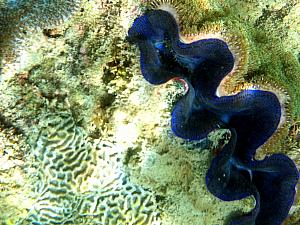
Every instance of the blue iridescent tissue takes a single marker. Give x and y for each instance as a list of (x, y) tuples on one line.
[(271, 181), (252, 116), (163, 56)]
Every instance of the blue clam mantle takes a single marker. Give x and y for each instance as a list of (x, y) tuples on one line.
[(252, 116)]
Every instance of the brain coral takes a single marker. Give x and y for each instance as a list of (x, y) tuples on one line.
[(123, 204), (65, 159), (80, 182)]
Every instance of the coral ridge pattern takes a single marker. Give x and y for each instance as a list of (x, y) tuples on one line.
[(66, 160), (251, 115)]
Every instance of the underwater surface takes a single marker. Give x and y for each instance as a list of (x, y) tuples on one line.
[(163, 112)]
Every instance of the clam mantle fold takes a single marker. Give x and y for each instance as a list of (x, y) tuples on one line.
[(252, 116)]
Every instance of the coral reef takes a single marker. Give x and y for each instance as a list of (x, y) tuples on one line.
[(86, 68), (252, 116)]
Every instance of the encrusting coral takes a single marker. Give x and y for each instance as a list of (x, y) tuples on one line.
[(251, 115)]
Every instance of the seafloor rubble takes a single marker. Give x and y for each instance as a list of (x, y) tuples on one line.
[(85, 140)]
